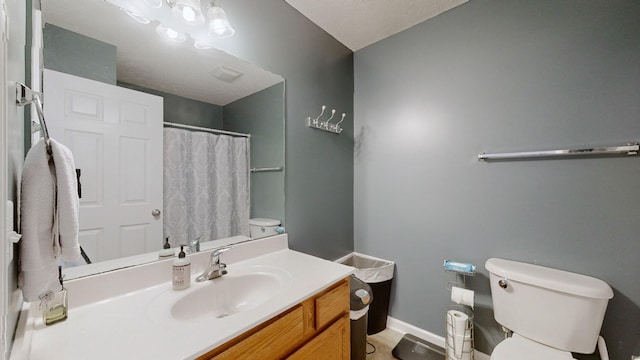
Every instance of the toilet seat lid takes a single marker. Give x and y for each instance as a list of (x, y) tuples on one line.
[(518, 347), (264, 222)]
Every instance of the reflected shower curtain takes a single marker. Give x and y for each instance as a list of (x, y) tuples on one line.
[(206, 186)]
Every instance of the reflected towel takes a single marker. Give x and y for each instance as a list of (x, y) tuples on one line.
[(49, 218)]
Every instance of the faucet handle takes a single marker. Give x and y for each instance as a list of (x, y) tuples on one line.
[(215, 254), (219, 251), (194, 245)]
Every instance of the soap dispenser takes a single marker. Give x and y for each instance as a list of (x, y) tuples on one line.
[(181, 271), (166, 251)]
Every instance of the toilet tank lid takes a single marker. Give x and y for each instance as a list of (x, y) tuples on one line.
[(264, 222), (549, 278)]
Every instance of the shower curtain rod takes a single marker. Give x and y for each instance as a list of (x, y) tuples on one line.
[(199, 128)]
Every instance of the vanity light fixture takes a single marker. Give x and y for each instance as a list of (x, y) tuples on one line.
[(188, 11), (219, 26), (154, 3), (169, 33), (139, 18), (202, 21), (203, 45)]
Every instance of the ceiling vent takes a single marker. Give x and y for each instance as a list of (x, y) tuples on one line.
[(227, 74)]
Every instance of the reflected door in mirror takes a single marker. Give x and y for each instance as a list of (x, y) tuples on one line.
[(115, 135)]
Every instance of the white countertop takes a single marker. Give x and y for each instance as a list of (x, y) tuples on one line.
[(110, 317)]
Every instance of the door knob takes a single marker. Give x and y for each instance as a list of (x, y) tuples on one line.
[(156, 212)]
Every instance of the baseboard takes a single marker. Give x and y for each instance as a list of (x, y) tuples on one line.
[(404, 328)]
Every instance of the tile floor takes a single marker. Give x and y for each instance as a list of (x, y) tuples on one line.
[(384, 342)]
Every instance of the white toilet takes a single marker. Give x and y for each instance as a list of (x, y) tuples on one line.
[(551, 312), (261, 227)]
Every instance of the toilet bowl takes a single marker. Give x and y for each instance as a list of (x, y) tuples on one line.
[(262, 227), (521, 348), (551, 312)]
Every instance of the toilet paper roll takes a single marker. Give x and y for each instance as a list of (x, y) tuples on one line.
[(456, 326), (457, 321), (462, 296)]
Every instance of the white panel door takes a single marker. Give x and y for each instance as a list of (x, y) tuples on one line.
[(115, 135)]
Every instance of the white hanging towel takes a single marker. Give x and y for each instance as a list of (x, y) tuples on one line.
[(49, 218)]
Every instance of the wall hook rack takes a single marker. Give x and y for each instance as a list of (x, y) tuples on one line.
[(326, 125)]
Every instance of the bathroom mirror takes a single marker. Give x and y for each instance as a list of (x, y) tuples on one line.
[(91, 36)]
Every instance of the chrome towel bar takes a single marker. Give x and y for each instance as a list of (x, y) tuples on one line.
[(629, 149), (265, 169)]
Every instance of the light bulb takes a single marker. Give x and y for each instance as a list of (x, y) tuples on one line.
[(188, 11), (219, 26), (170, 33), (154, 3), (188, 14)]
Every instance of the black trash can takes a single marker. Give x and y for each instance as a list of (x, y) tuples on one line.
[(360, 299), (378, 273)]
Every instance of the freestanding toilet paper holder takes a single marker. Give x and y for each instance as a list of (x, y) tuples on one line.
[(459, 334), (459, 318)]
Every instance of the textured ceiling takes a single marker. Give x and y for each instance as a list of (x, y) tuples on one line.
[(358, 23), (145, 59)]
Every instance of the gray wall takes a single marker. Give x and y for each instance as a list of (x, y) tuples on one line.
[(181, 110), (79, 55), (261, 115), (497, 75), (318, 71)]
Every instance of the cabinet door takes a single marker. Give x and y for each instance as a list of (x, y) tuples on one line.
[(331, 344), (272, 342), (332, 304)]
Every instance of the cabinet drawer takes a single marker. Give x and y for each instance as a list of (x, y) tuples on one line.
[(271, 342), (332, 304)]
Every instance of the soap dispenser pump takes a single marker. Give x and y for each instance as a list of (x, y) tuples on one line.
[(166, 251), (181, 271)]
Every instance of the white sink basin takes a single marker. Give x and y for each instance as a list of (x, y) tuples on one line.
[(225, 296)]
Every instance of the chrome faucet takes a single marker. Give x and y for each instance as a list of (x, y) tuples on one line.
[(194, 245), (216, 268)]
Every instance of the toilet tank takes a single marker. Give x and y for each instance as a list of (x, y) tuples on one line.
[(556, 308), (262, 227)]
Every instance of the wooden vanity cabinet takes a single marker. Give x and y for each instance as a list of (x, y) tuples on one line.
[(317, 328), (332, 344)]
